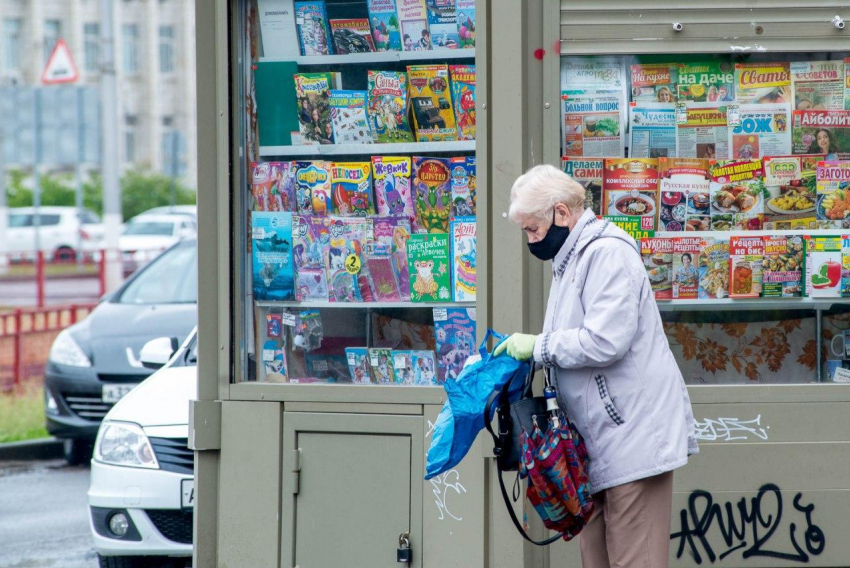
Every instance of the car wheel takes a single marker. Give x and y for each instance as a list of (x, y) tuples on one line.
[(77, 451), (64, 254), (139, 562)]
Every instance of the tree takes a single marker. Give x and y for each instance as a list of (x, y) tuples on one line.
[(141, 191)]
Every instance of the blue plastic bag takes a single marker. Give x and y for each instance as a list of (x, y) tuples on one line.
[(462, 416)]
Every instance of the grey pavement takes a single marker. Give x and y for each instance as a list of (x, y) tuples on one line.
[(59, 291)]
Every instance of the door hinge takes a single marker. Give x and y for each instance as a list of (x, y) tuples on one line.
[(296, 471)]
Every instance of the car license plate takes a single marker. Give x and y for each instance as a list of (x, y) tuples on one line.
[(114, 393), (187, 493)]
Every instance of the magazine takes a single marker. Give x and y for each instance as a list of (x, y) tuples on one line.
[(763, 83), (424, 368), (737, 195), (593, 72), (403, 366), (344, 263), (430, 101), (630, 188), (271, 255), (463, 99), (593, 123), (712, 82), (760, 130), (686, 261), (454, 329), (684, 194), (821, 132), (348, 116), (652, 130), (352, 36), (274, 361), (313, 187), (634, 226), (657, 254), (314, 112), (463, 231), (791, 187), (818, 85), (428, 259), (746, 256), (782, 267), (392, 185), (413, 20), (833, 193), (393, 233), (351, 189), (432, 194), (701, 131), (654, 83), (714, 269), (463, 186), (384, 21), (387, 107), (358, 365), (442, 23), (273, 186), (308, 253), (466, 23), (311, 21), (587, 172), (381, 364), (823, 267)]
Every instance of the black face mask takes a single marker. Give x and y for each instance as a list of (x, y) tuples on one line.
[(547, 247)]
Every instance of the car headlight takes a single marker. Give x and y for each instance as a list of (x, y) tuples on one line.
[(124, 443), (65, 351)]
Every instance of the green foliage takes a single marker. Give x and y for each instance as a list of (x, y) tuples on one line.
[(22, 414), (141, 191)]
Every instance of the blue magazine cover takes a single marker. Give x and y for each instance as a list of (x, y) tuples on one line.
[(442, 21), (314, 33), (271, 255), (454, 329), (384, 22)]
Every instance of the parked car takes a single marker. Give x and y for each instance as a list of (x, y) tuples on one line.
[(185, 210), (146, 235), (142, 486), (93, 363), (62, 230)]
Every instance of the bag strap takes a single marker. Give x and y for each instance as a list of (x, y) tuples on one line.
[(517, 524)]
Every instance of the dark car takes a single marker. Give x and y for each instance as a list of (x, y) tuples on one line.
[(347, 41), (95, 362)]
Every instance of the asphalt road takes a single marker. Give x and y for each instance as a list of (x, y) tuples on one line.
[(58, 291), (44, 517)]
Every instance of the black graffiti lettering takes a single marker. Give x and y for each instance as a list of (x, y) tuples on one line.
[(761, 516)]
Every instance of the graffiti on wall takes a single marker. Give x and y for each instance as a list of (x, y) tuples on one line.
[(760, 527), (443, 485), (730, 429)]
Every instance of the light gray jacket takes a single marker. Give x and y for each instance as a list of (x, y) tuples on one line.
[(610, 360)]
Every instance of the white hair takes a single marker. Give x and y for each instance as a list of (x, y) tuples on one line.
[(537, 191)]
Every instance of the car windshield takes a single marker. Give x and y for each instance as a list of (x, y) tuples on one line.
[(156, 228), (172, 278)]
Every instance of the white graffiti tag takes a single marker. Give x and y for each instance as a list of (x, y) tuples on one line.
[(730, 429), (449, 480)]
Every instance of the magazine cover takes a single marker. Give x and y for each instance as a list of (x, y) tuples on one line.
[(763, 83), (593, 123), (413, 19), (348, 116), (737, 195), (344, 262), (428, 259), (782, 267), (657, 254), (358, 365), (424, 368), (391, 176), (308, 255), (823, 267), (630, 189), (652, 130), (271, 255), (463, 231), (821, 132), (403, 366), (431, 102), (311, 21), (352, 36), (382, 270), (466, 23), (845, 266), (587, 172), (684, 187), (313, 187), (702, 130), (432, 194), (818, 85), (314, 113), (381, 364), (442, 22), (712, 81), (274, 361), (351, 188), (654, 82), (746, 256), (454, 329), (273, 186), (393, 233), (833, 193), (463, 99), (714, 269), (760, 130), (384, 21), (686, 261), (791, 183), (634, 226), (463, 186), (387, 107)]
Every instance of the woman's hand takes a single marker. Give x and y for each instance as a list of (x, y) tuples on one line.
[(520, 346)]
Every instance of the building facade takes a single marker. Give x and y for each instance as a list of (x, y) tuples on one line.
[(154, 59)]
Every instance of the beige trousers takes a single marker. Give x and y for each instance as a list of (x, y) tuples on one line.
[(630, 526)]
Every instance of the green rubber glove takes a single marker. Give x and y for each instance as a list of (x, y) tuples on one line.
[(520, 346)]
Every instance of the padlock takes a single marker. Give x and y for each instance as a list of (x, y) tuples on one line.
[(404, 555)]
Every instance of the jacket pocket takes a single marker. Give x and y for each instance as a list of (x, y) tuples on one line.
[(607, 403)]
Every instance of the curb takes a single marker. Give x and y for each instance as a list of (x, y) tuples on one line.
[(41, 449)]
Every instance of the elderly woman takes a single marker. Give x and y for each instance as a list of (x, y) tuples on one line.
[(605, 347)]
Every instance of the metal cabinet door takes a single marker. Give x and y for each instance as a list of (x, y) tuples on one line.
[(352, 484)]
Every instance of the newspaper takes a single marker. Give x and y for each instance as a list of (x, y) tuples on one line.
[(654, 83), (580, 72), (652, 130), (763, 83), (710, 81), (701, 131), (818, 85), (760, 130), (821, 132), (593, 123)]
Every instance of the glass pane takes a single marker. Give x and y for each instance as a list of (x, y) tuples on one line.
[(170, 279), (149, 228)]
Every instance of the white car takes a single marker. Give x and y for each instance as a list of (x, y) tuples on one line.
[(142, 489), (184, 210), (62, 230), (145, 236)]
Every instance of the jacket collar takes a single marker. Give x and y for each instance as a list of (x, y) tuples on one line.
[(562, 259)]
